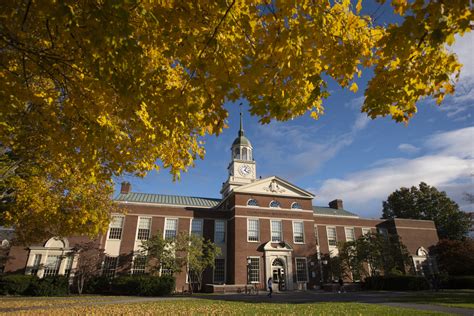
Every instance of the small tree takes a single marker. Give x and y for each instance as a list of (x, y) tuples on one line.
[(89, 263), (373, 253), (169, 254), (201, 255)]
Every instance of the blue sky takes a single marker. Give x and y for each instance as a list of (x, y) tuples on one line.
[(346, 155)]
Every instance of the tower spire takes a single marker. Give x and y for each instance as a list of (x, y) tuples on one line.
[(241, 130)]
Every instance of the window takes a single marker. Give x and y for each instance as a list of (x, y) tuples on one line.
[(219, 271), (219, 231), (350, 236), (139, 265), (296, 205), (244, 154), (366, 231), (171, 228), (253, 269), (252, 202), (51, 267), (144, 228), (301, 270), (36, 264), (298, 232), (116, 225), (332, 241), (196, 227), (109, 267), (69, 260), (276, 231), (253, 227), (166, 270), (316, 235), (275, 204), (237, 153)]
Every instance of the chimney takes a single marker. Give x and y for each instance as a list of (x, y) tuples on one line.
[(336, 204), (125, 188)]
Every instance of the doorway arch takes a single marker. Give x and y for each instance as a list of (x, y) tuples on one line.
[(279, 273)]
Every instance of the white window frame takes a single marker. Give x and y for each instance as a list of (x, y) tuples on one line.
[(302, 232), (271, 230), (214, 271), (116, 259), (327, 235), (134, 270), (138, 227), (220, 242), (248, 268), (252, 205), (296, 208), (121, 228), (367, 231), (306, 269), (201, 220), (177, 226), (353, 233), (278, 203), (258, 229)]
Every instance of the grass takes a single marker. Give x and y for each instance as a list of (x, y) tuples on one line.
[(204, 307), (451, 298)]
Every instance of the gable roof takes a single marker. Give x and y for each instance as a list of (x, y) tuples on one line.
[(274, 186), (149, 198), (328, 211)]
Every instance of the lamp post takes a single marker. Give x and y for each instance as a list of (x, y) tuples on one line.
[(249, 262)]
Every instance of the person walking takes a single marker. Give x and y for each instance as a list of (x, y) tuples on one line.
[(270, 286)]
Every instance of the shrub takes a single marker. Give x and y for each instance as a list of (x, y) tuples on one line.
[(49, 286), (396, 283), (143, 285), (461, 282), (97, 285), (16, 284)]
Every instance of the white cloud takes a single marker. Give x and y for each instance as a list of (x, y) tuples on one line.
[(299, 150), (408, 148), (448, 166), (456, 105)]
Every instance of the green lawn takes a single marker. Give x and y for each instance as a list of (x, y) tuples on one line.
[(209, 307), (451, 298)]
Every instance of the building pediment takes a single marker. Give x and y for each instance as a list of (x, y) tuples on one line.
[(281, 246), (274, 186)]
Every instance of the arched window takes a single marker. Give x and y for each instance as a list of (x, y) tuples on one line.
[(278, 262), (296, 205), (252, 202), (244, 154), (237, 153), (275, 204)]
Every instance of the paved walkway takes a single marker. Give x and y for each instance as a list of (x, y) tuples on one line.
[(382, 298)]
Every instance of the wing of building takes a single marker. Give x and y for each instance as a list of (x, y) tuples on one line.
[(265, 227)]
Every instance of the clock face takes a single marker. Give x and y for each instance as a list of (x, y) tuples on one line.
[(245, 170)]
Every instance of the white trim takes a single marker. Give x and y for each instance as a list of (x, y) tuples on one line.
[(123, 224), (295, 208), (138, 226), (271, 231), (345, 232), (248, 270), (177, 226), (272, 218), (293, 231), (252, 206), (366, 228), (278, 207), (327, 236), (273, 208), (258, 229)]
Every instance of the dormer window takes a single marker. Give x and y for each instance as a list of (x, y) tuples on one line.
[(275, 204), (296, 205), (252, 202)]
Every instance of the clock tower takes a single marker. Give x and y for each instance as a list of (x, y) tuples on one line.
[(242, 168)]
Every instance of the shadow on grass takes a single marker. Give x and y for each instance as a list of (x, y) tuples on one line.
[(457, 298)]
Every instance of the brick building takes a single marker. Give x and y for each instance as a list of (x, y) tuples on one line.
[(265, 227)]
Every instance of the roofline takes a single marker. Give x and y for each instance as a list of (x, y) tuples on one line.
[(327, 215), (161, 204), (310, 195)]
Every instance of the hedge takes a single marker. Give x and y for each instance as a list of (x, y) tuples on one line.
[(461, 282), (19, 284), (396, 283), (16, 284), (142, 285)]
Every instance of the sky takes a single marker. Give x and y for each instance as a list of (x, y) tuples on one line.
[(346, 155)]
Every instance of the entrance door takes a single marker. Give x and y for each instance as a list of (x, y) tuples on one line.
[(278, 274)]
